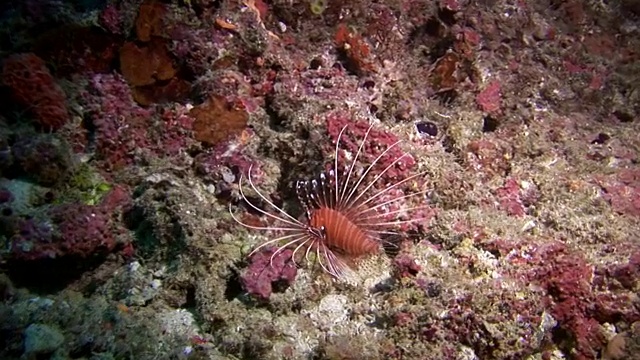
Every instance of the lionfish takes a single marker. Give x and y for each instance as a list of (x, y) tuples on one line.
[(347, 215)]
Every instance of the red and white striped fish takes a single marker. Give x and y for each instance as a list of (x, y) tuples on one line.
[(347, 213)]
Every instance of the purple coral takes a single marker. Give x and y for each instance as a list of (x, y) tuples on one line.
[(265, 272), (69, 230), (176, 131), (75, 230), (509, 198), (122, 129), (405, 265), (120, 125)]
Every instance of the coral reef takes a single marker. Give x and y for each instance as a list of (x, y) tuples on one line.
[(119, 125), (131, 124), (267, 271), (69, 230)]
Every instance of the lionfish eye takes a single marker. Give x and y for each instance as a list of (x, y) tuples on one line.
[(323, 231), (317, 232)]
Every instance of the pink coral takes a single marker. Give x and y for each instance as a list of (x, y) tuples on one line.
[(177, 127), (405, 265), (77, 230), (514, 197), (572, 292), (120, 125), (567, 280), (123, 129), (265, 272), (489, 98), (377, 142), (622, 191), (580, 296), (72, 230)]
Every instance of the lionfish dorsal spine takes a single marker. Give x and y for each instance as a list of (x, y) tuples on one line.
[(303, 196)]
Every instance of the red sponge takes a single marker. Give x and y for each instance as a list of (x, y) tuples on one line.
[(32, 86)]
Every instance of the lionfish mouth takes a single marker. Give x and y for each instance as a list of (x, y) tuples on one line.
[(347, 213)]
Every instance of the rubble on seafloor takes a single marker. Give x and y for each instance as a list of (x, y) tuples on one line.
[(129, 126)]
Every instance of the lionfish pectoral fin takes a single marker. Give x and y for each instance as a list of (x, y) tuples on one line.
[(334, 263)]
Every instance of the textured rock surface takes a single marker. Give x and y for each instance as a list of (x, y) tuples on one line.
[(520, 117)]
